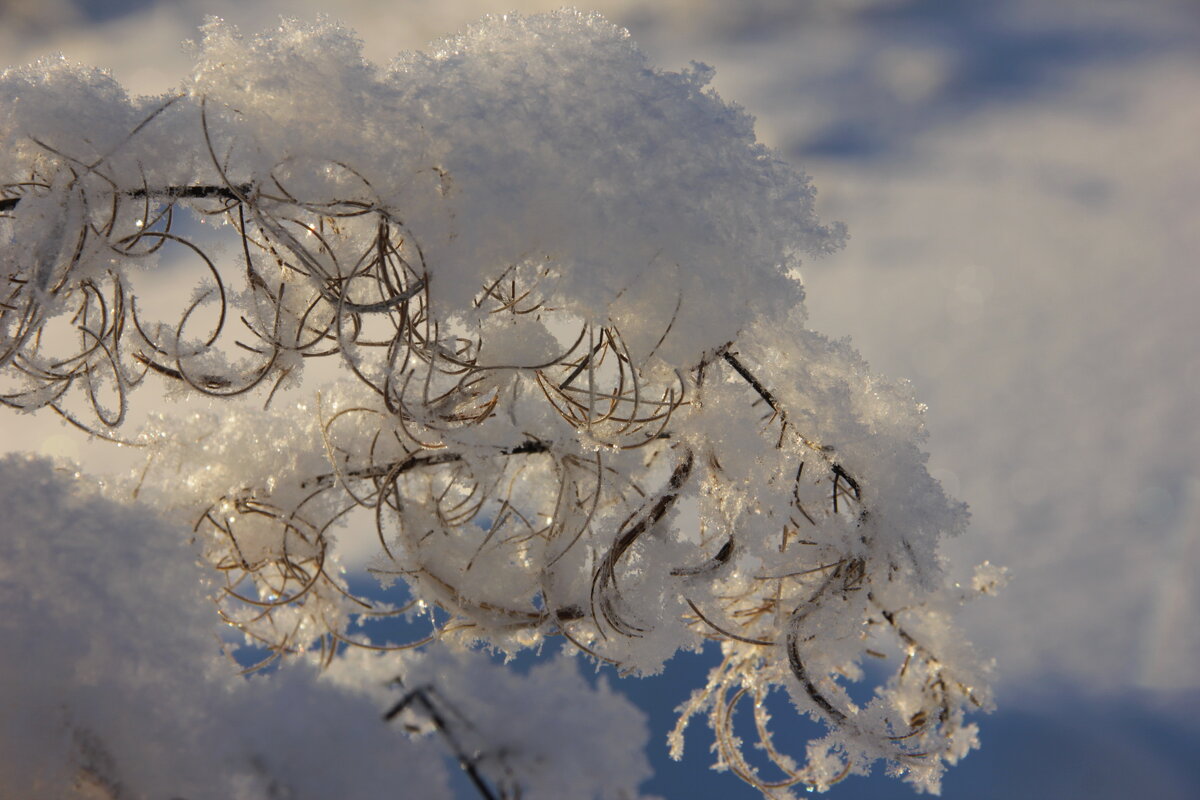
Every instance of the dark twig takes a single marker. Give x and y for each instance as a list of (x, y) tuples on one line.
[(421, 697)]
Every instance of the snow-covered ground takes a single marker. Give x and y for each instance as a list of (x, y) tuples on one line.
[(1020, 182)]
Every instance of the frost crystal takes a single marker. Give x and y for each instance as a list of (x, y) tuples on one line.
[(575, 391)]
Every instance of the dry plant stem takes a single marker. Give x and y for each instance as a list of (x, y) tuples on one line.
[(469, 765), (604, 579), (345, 279)]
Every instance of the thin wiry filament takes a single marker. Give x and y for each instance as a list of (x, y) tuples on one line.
[(517, 494)]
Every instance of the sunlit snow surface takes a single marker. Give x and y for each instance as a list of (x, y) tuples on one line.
[(1019, 179)]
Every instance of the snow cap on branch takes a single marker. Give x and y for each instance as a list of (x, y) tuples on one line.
[(548, 140)]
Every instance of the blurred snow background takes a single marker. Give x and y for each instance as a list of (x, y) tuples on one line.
[(1020, 181)]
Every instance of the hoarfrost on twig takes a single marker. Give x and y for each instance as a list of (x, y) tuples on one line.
[(578, 396)]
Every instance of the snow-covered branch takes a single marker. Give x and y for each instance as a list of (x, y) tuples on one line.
[(574, 388)]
